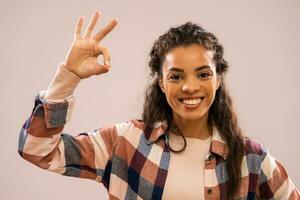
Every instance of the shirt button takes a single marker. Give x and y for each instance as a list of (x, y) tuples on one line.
[(209, 191)]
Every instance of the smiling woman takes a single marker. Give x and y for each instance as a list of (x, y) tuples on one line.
[(188, 144)]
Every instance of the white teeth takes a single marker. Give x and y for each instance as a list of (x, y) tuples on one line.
[(191, 101)]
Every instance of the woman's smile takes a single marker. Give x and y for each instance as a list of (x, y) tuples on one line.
[(191, 103)]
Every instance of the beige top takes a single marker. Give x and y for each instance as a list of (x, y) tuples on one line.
[(185, 179)]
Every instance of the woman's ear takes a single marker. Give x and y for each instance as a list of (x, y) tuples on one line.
[(161, 84)]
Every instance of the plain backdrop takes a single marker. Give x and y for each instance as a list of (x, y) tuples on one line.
[(261, 40)]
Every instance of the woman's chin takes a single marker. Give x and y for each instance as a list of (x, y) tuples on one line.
[(192, 116)]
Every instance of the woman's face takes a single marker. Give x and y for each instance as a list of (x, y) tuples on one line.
[(189, 81)]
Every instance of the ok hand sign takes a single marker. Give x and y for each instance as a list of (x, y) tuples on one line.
[(82, 56)]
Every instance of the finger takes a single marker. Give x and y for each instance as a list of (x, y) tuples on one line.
[(106, 55), (78, 27), (91, 25), (101, 34), (101, 69), (104, 51), (97, 50)]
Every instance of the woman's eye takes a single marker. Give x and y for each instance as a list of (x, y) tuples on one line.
[(204, 75), (175, 77)]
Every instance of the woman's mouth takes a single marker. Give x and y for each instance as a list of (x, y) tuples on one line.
[(191, 103)]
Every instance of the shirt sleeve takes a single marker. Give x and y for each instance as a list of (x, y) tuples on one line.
[(274, 182), (42, 142), (60, 92), (62, 85)]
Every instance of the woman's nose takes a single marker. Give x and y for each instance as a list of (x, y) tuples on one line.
[(191, 85)]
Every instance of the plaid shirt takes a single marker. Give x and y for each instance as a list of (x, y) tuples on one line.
[(134, 165)]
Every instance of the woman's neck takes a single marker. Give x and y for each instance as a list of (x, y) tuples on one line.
[(193, 128)]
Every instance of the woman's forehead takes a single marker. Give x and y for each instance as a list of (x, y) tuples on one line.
[(188, 56)]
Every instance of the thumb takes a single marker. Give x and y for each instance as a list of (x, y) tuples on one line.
[(101, 69)]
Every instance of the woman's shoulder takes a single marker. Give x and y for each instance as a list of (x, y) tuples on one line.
[(127, 127), (136, 128), (253, 147), (138, 124)]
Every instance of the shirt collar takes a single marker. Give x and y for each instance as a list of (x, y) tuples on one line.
[(157, 132), (218, 145)]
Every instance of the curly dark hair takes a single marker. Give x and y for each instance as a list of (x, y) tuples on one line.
[(221, 113)]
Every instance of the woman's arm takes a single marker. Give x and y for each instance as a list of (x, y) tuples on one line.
[(274, 182), (41, 140), (42, 143)]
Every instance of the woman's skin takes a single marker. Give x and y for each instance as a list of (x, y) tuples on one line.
[(190, 82), (82, 56)]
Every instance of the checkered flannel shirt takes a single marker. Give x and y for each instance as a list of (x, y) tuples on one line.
[(134, 165)]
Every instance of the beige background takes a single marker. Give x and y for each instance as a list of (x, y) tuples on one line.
[(261, 40)]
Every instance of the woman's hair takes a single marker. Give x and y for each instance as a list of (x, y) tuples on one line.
[(221, 114)]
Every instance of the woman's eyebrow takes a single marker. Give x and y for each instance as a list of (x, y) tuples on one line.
[(202, 67), (181, 70)]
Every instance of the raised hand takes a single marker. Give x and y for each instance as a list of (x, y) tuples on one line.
[(82, 56)]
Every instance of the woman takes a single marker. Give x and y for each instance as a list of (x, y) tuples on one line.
[(188, 144)]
